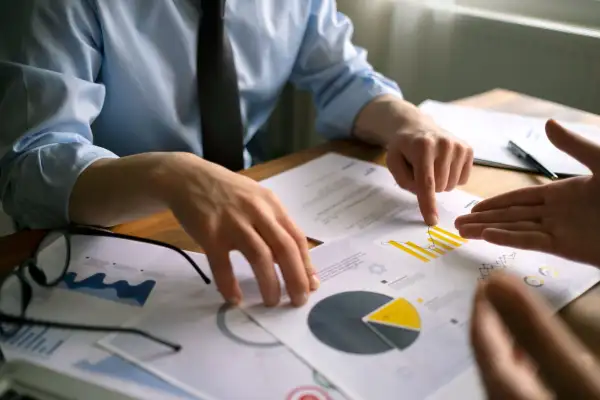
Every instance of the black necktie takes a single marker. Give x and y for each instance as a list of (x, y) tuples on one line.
[(218, 93)]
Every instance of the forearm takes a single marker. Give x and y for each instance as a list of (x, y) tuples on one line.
[(382, 118), (113, 191)]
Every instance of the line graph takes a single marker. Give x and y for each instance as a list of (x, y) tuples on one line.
[(436, 243), (120, 291), (502, 262)]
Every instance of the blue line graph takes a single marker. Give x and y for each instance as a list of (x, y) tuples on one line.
[(120, 291)]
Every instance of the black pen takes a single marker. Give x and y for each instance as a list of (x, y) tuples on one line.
[(519, 152)]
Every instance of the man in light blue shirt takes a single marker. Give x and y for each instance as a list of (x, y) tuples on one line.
[(99, 122)]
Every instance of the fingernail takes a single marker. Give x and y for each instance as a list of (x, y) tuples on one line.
[(314, 281), (270, 304), (300, 299), (234, 301)]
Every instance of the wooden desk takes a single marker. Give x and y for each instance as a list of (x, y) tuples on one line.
[(583, 314)]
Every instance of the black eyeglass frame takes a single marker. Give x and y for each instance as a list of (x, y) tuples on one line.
[(40, 278)]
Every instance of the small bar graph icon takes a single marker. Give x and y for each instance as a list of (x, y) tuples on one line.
[(438, 243)]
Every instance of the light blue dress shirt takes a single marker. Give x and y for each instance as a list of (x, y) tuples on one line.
[(82, 80)]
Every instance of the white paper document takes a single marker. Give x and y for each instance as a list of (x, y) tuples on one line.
[(488, 132), (225, 354), (391, 317), (109, 281), (335, 196)]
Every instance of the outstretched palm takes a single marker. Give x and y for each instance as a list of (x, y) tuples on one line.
[(560, 217)]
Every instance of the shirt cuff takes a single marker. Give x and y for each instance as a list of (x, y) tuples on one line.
[(340, 117), (50, 172)]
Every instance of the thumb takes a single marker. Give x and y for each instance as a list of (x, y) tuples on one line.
[(578, 147), (563, 362)]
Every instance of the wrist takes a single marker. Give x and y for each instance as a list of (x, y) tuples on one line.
[(113, 191), (381, 120), (164, 175), (185, 177)]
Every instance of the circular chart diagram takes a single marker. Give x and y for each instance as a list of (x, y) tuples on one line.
[(308, 393), (534, 281), (253, 336), (361, 322)]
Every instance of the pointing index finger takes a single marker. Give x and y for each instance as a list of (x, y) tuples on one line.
[(425, 185)]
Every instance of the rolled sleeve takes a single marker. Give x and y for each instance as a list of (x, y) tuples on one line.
[(37, 186), (48, 100), (336, 72)]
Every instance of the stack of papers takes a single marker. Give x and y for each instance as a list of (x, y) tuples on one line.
[(390, 319), (488, 132), (109, 282), (391, 316), (333, 196)]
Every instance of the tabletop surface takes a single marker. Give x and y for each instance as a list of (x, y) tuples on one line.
[(583, 315)]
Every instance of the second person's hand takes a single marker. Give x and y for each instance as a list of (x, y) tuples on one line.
[(559, 217), (224, 211), (523, 351)]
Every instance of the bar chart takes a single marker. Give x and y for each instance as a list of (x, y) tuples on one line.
[(434, 243)]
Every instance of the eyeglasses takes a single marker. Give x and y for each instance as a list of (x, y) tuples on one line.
[(48, 268)]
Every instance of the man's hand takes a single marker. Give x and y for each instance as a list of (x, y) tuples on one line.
[(523, 352), (422, 157), (559, 217), (223, 212)]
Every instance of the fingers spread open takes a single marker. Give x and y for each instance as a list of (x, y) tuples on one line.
[(287, 254), (474, 231), (526, 240), (510, 214), (562, 360), (528, 196), (259, 256), (577, 146)]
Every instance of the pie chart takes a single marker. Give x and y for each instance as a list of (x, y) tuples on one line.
[(533, 281), (362, 322), (398, 323)]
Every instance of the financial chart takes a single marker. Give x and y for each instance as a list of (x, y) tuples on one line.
[(435, 242), (120, 291), (39, 341)]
